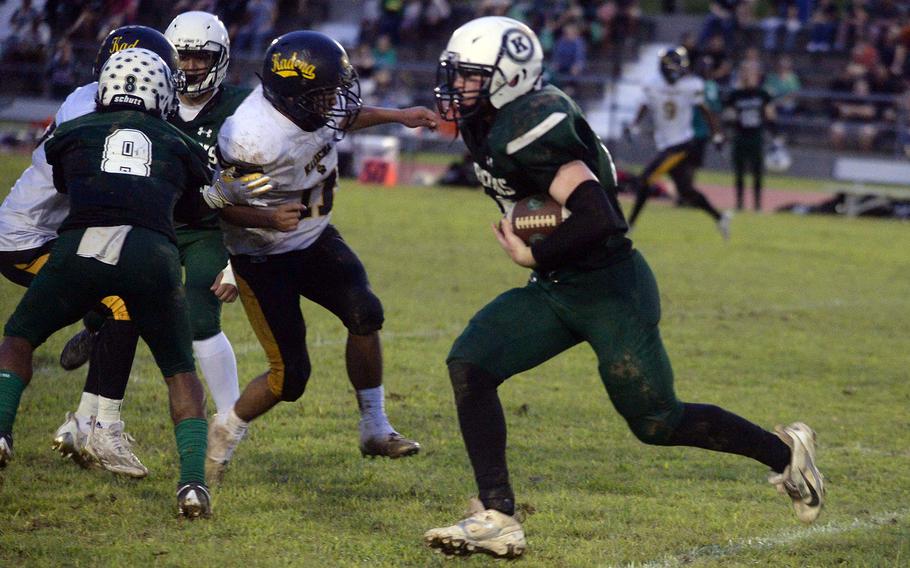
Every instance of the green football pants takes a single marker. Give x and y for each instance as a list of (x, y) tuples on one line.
[(616, 310), (203, 256), (147, 277)]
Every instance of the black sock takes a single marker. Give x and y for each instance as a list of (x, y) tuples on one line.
[(112, 359), (699, 200), (713, 428), (483, 427), (641, 196)]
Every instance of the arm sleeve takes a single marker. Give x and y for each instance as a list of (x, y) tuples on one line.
[(593, 219)]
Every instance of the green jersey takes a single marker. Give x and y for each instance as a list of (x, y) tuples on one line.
[(519, 154), (126, 168), (204, 130)]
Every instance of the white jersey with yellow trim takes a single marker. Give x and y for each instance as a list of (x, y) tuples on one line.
[(302, 167), (671, 107), (33, 211)]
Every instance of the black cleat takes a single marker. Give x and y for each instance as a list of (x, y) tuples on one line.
[(393, 446), (6, 449), (77, 350)]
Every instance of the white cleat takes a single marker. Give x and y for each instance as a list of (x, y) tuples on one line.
[(111, 449), (486, 531), (70, 439), (801, 480), (222, 442), (723, 224), (194, 501)]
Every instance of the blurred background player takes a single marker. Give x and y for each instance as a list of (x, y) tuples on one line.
[(588, 285), (752, 114), (671, 99), (283, 139), (203, 49), (124, 169), (29, 218)]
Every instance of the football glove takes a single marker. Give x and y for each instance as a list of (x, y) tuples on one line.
[(229, 183), (213, 197), (236, 182)]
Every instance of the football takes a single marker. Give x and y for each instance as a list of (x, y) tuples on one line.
[(535, 217)]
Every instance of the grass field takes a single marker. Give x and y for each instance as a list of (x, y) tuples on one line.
[(796, 318)]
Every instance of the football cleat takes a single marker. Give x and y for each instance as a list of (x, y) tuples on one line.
[(486, 531), (6, 449), (801, 480), (111, 449), (194, 501), (69, 440), (392, 445), (77, 350), (222, 442), (723, 224)]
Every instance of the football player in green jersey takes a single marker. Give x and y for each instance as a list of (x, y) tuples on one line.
[(588, 285), (203, 48), (125, 169)]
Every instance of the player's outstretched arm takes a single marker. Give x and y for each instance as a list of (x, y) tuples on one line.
[(412, 117), (282, 218)]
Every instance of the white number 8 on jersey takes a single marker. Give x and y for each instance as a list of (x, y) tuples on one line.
[(127, 151)]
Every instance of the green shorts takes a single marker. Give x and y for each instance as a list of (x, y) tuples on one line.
[(147, 277), (616, 310), (203, 256)]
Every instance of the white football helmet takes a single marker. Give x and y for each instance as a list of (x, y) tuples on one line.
[(778, 158), (504, 52), (137, 78), (201, 34)]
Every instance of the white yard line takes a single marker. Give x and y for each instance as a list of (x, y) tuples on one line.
[(777, 540)]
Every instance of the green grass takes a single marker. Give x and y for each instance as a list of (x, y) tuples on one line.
[(795, 318)]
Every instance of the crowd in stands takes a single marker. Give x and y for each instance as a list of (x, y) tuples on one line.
[(62, 37), (853, 52), (800, 45)]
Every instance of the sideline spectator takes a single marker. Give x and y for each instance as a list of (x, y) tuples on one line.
[(390, 17), (783, 84), (22, 22), (823, 29), (854, 117), (257, 29), (753, 114), (119, 13), (385, 56), (721, 20), (716, 60), (853, 27), (569, 52), (784, 18), (62, 70), (900, 66), (620, 20)]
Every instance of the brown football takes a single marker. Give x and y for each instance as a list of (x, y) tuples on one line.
[(535, 217)]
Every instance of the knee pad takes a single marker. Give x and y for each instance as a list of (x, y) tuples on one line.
[(468, 379), (366, 316), (289, 383), (656, 428)]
